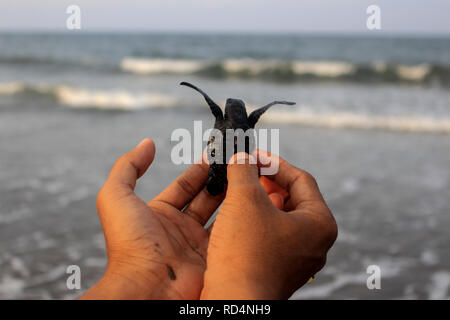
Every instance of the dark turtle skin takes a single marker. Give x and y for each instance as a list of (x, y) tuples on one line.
[(235, 117)]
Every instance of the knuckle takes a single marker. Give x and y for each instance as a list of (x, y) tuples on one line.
[(304, 177), (250, 191), (100, 198), (307, 177), (329, 231), (331, 228), (333, 233), (194, 215)]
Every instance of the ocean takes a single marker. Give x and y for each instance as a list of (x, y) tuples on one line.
[(372, 124)]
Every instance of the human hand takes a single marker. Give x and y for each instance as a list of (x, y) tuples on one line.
[(154, 250), (261, 247)]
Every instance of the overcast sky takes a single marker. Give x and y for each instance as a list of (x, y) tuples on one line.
[(397, 16)]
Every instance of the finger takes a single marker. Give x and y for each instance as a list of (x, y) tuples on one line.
[(276, 194), (277, 200), (131, 166), (203, 206), (242, 169), (127, 169), (272, 187), (301, 186), (186, 186)]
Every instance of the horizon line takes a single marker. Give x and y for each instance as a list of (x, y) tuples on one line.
[(370, 33)]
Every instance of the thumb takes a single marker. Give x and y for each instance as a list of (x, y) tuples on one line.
[(242, 170), (130, 167), (243, 183)]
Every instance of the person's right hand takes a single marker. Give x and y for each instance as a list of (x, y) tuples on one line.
[(261, 247)]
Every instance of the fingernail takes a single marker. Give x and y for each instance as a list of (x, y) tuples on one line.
[(264, 158), (241, 158), (202, 159)]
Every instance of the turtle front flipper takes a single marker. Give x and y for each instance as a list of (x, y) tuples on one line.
[(255, 115), (215, 109)]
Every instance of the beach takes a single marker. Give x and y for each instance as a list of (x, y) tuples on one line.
[(372, 124)]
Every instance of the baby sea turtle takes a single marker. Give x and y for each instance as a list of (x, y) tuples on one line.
[(235, 118)]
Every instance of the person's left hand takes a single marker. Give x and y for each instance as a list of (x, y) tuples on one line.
[(156, 250)]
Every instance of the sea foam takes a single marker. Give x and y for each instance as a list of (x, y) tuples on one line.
[(290, 70), (119, 100), (90, 98), (155, 66), (350, 120)]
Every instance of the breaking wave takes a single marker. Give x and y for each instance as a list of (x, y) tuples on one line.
[(273, 69), (261, 69), (423, 124), (11, 88), (86, 98), (125, 100), (158, 66), (121, 100)]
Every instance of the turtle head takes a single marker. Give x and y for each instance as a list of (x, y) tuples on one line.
[(236, 113)]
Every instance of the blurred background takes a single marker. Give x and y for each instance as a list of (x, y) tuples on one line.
[(372, 124)]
